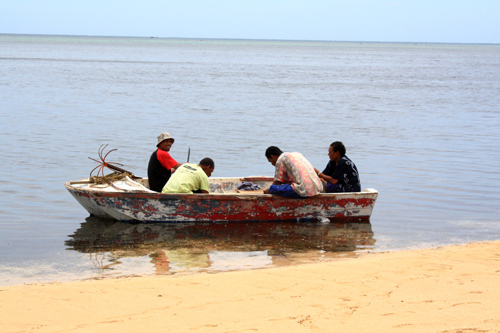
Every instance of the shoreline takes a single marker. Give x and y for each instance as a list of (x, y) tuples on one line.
[(444, 289)]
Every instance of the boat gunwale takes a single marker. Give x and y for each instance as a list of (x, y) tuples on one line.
[(209, 196)]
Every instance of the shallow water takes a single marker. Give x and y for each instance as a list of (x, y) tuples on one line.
[(419, 120)]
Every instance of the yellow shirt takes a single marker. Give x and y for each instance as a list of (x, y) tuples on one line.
[(186, 179)]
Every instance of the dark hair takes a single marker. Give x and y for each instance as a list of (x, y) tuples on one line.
[(207, 161), (338, 146), (273, 150)]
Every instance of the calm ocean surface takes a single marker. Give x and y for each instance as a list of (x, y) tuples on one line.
[(421, 122)]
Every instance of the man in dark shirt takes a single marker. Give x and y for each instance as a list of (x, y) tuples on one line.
[(161, 164), (340, 173)]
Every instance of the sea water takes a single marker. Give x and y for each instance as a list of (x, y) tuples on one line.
[(419, 120)]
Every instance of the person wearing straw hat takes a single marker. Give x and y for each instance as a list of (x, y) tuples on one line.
[(161, 164)]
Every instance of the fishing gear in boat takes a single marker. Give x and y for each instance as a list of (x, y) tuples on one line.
[(117, 174)]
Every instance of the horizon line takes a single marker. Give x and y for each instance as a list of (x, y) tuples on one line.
[(245, 39)]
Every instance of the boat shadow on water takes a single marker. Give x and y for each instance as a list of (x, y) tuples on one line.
[(212, 247)]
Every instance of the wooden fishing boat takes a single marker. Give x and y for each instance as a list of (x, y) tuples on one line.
[(131, 200)]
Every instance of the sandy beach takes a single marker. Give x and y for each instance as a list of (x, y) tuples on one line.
[(446, 289)]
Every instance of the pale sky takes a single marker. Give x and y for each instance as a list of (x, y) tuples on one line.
[(447, 21)]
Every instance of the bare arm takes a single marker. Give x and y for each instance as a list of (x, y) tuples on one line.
[(174, 168), (326, 178)]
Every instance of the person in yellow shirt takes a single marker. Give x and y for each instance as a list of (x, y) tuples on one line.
[(191, 178)]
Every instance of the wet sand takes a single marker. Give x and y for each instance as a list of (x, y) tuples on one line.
[(446, 289)]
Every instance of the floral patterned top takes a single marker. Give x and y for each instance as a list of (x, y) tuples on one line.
[(294, 169)]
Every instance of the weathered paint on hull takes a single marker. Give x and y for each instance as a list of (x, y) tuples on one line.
[(157, 207)]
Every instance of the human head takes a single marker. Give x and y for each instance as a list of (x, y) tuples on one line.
[(336, 151), (272, 154), (208, 165), (165, 141), (338, 146)]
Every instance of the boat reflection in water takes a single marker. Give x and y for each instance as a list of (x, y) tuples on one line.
[(118, 248)]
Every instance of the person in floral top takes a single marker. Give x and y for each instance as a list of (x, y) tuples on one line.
[(294, 176)]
